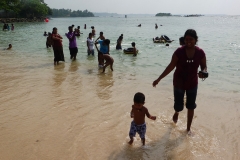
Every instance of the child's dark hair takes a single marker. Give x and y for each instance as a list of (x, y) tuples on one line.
[(133, 44), (101, 32), (191, 33), (139, 98)]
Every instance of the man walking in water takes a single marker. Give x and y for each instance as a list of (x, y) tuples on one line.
[(72, 43)]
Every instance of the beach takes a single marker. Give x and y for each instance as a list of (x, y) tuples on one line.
[(73, 111)]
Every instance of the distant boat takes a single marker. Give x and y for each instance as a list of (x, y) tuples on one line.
[(193, 15)]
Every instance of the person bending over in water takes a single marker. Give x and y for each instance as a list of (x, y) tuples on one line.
[(186, 59), (104, 49), (101, 37), (108, 59), (139, 25), (138, 113)]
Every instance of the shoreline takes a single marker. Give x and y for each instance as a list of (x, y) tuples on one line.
[(10, 20)]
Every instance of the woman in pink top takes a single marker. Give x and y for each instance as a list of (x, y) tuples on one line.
[(187, 60)]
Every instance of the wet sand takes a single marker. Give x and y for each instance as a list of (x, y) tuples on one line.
[(72, 111)]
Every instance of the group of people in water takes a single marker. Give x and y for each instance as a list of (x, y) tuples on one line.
[(6, 27), (104, 59), (186, 59)]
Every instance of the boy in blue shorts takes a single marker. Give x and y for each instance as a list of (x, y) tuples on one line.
[(138, 114)]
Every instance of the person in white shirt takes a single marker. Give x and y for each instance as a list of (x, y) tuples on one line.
[(90, 44)]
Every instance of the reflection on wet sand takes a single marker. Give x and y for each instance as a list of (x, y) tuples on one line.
[(73, 66), (104, 84), (59, 75)]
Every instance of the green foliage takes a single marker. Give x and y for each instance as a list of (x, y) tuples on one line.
[(9, 5), (70, 13), (33, 8), (25, 8), (163, 14)]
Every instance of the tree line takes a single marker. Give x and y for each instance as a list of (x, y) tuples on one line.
[(163, 14), (25, 8), (70, 13), (36, 8)]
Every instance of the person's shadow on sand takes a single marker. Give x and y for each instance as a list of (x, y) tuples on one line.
[(164, 148)]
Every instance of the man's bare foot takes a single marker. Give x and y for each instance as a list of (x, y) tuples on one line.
[(175, 117), (130, 142)]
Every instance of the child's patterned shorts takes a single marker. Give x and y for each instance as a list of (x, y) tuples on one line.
[(140, 129)]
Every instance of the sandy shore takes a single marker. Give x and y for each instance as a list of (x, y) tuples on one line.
[(74, 112)]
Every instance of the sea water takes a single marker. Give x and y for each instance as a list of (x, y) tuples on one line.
[(73, 111)]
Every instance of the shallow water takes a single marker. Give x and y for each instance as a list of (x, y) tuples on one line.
[(73, 111)]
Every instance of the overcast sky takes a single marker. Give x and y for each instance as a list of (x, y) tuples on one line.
[(230, 7)]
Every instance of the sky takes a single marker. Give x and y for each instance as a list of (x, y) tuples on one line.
[(229, 7)]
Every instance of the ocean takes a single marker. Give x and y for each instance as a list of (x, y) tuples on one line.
[(73, 111)]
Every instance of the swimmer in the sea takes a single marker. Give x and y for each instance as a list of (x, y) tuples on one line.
[(9, 47)]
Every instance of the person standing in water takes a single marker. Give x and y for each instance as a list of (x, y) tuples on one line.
[(101, 37), (134, 49), (57, 46), (85, 26), (156, 26), (119, 42), (49, 40), (12, 27), (93, 31), (72, 43), (90, 45), (187, 60)]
